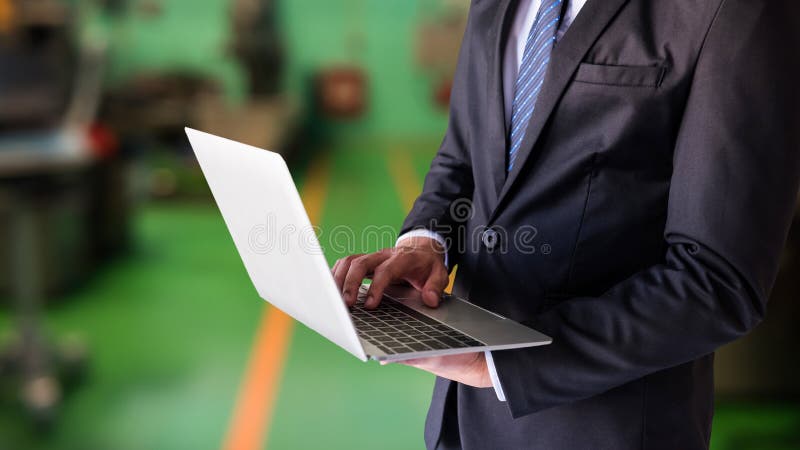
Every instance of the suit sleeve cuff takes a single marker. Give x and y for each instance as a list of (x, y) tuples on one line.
[(428, 234), (498, 388)]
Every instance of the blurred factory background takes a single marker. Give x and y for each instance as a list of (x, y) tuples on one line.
[(126, 318)]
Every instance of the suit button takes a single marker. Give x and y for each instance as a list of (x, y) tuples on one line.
[(490, 239)]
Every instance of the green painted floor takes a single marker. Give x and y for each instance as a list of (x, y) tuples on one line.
[(170, 328)]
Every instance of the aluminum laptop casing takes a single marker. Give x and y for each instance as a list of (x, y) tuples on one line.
[(264, 214)]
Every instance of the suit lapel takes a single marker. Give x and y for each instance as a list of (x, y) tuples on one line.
[(567, 55), (497, 111)]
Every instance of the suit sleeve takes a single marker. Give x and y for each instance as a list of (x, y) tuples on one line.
[(733, 191), (450, 175)]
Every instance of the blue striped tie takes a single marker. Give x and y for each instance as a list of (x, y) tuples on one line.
[(531, 73)]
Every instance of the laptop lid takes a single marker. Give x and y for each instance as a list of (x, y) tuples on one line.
[(275, 239)]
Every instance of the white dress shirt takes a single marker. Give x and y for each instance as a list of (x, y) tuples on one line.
[(512, 59)]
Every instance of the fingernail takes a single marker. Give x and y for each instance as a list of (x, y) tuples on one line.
[(370, 299)]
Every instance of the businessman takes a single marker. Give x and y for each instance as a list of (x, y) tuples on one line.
[(650, 152)]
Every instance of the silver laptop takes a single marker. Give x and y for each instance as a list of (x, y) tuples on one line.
[(271, 230)]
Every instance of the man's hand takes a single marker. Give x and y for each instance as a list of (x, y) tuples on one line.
[(469, 368), (420, 262), (416, 260)]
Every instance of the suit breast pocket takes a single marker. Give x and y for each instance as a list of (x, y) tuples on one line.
[(632, 76)]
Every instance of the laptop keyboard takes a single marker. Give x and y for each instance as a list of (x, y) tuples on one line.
[(395, 328)]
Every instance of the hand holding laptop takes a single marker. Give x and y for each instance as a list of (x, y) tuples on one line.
[(418, 261)]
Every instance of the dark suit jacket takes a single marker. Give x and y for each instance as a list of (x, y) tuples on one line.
[(641, 227)]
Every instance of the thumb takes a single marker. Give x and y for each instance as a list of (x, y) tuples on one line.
[(434, 287)]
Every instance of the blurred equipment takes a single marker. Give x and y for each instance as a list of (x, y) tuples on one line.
[(342, 92), (48, 132), (150, 107), (268, 118), (265, 122), (257, 45), (341, 89), (6, 16), (38, 62), (149, 111), (49, 165), (438, 39), (38, 369), (155, 105)]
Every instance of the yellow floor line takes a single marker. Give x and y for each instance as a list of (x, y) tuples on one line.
[(408, 186), (252, 415)]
